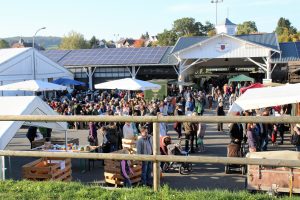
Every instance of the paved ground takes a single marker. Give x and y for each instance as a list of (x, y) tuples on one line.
[(203, 176)]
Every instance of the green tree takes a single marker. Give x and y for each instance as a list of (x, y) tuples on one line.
[(246, 27), (167, 38), (94, 42), (286, 32), (206, 29), (4, 44), (186, 27), (145, 36), (283, 25), (73, 40)]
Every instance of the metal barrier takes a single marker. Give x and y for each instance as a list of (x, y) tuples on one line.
[(156, 158)]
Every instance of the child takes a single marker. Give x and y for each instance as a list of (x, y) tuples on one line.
[(200, 136), (125, 172)]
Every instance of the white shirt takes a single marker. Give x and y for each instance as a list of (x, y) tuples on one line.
[(128, 131)]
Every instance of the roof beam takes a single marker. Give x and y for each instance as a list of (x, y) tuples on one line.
[(263, 66)]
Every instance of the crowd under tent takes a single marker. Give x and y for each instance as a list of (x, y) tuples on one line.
[(20, 64)]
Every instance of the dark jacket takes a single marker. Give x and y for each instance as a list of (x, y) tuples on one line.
[(236, 132)]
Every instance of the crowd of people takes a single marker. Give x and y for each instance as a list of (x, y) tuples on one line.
[(188, 102)]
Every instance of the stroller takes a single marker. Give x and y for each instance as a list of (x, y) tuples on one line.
[(183, 167), (235, 150)]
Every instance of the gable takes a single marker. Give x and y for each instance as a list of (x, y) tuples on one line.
[(19, 65), (223, 46)]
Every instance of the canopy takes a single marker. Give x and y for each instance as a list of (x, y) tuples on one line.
[(66, 81), (26, 105), (241, 78), (254, 85), (32, 85), (267, 97), (128, 84)]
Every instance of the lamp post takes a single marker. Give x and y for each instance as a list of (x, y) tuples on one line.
[(216, 2), (34, 75)]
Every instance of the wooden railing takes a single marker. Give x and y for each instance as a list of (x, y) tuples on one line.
[(155, 158)]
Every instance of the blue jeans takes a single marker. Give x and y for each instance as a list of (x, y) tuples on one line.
[(297, 147), (127, 182), (146, 172), (264, 143)]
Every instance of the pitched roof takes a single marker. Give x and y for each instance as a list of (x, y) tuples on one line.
[(113, 56), (268, 40), (290, 51), (227, 22)]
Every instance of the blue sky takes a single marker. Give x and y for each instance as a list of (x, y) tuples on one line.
[(131, 18)]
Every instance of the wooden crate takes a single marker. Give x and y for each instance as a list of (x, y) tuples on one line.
[(271, 178), (60, 141), (112, 171), (45, 169)]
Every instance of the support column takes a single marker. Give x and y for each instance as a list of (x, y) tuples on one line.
[(269, 72), (2, 168), (133, 73), (156, 167), (90, 75)]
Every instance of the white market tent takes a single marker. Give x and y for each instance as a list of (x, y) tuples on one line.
[(267, 97), (18, 64), (24, 105), (32, 85), (128, 84)]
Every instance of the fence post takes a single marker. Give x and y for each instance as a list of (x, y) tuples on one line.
[(156, 168)]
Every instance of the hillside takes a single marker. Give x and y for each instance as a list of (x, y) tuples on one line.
[(48, 42)]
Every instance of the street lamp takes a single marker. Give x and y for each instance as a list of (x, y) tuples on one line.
[(34, 75), (35, 35), (216, 2)]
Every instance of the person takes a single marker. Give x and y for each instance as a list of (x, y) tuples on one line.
[(125, 172), (144, 146), (236, 132), (31, 134), (200, 136), (178, 125), (220, 112), (297, 131), (251, 137), (112, 136), (190, 130), (128, 131), (92, 138)]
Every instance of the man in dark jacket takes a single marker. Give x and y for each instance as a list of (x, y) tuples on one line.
[(31, 134), (236, 132)]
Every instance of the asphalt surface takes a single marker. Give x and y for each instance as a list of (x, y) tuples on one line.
[(204, 176)]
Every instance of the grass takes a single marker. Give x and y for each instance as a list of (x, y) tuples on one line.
[(58, 190)]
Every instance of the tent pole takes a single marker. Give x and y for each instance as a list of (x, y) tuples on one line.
[(2, 164), (66, 140)]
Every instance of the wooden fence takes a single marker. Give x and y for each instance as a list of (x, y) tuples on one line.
[(155, 158)]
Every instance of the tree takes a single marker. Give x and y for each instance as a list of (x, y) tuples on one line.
[(186, 27), (286, 32), (206, 29), (94, 42), (4, 44), (246, 27), (145, 36), (167, 38), (73, 40), (284, 24)]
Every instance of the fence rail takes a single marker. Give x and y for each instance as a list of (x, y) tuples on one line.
[(204, 119), (156, 158)]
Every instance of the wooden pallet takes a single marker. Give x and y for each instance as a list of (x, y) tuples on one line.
[(45, 169), (112, 171)]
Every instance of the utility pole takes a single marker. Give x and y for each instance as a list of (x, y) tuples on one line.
[(216, 2)]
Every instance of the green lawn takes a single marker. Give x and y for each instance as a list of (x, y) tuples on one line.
[(59, 190)]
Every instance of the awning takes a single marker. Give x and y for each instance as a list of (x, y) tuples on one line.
[(241, 78), (267, 97)]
